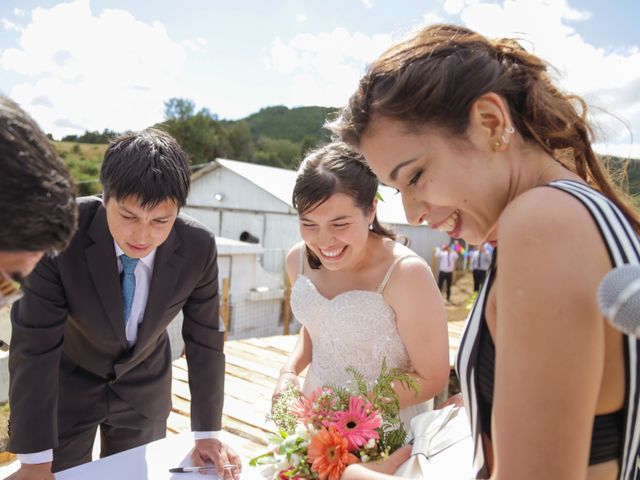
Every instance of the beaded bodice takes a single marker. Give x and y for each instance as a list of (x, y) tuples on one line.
[(355, 328)]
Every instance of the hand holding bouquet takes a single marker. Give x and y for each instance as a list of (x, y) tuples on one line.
[(336, 426)]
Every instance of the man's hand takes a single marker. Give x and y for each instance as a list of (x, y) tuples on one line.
[(35, 471), (227, 462), (382, 470)]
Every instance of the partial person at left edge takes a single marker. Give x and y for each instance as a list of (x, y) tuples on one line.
[(89, 346), (37, 199)]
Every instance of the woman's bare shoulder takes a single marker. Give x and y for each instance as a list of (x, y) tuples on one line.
[(293, 260)]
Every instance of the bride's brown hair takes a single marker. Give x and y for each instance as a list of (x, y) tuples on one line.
[(433, 78)]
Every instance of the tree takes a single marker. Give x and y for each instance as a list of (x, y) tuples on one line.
[(280, 153), (240, 141), (308, 144), (200, 134), (179, 109)]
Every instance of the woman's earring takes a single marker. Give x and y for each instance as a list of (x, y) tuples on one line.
[(507, 131), (496, 145), (371, 226)]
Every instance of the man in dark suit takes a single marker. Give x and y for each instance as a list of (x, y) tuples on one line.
[(37, 205), (89, 345)]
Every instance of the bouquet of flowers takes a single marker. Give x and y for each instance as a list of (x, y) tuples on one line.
[(335, 426)]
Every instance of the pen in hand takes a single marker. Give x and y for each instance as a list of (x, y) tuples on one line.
[(226, 466)]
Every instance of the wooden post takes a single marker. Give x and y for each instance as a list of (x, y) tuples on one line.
[(286, 305), (225, 306)]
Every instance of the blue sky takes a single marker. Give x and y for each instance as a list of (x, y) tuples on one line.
[(94, 64)]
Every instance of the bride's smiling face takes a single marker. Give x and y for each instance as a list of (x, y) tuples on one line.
[(336, 231)]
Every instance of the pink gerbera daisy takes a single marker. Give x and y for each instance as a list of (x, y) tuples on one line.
[(358, 424), (316, 409)]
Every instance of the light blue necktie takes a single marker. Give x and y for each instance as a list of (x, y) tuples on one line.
[(128, 283)]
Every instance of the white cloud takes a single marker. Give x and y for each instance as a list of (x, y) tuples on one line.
[(9, 25), (94, 69), (301, 18), (18, 13), (196, 45), (367, 3), (325, 68), (432, 17), (453, 7)]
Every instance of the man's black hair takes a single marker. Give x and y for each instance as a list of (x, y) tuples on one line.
[(149, 166)]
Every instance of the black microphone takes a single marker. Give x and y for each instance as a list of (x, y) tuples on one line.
[(619, 298)]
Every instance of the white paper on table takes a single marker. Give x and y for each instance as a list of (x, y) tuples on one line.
[(147, 462)]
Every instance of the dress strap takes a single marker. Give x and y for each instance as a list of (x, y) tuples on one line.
[(301, 260), (391, 268)]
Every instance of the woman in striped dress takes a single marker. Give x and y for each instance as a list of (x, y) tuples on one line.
[(483, 146)]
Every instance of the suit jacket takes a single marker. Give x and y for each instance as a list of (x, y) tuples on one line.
[(68, 342)]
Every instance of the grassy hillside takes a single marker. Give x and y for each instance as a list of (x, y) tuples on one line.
[(83, 160), (626, 173)]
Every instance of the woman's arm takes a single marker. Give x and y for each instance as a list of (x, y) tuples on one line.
[(549, 337), (422, 325), (301, 355)]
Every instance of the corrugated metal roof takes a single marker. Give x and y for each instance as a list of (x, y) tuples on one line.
[(279, 182)]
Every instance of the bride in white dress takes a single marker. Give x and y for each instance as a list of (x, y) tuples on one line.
[(359, 295)]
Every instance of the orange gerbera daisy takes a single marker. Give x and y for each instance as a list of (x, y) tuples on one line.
[(329, 454)]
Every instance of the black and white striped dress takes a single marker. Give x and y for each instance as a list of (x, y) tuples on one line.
[(623, 246)]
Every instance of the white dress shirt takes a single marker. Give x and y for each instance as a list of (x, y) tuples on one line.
[(447, 260), (143, 273)]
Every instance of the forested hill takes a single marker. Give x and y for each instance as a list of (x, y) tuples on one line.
[(295, 124)]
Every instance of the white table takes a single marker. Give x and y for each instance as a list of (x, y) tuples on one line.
[(148, 462)]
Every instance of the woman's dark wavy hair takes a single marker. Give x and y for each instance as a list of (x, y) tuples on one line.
[(433, 78), (38, 210), (336, 168)]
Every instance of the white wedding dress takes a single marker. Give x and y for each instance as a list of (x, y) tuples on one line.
[(355, 328)]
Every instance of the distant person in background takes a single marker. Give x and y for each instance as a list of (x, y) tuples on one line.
[(89, 342), (37, 199), (480, 263), (359, 295), (446, 265)]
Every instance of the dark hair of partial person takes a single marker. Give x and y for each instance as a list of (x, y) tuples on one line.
[(336, 168), (432, 79), (149, 166), (38, 209)]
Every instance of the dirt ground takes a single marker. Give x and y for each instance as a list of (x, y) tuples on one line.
[(461, 293), (458, 309)]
